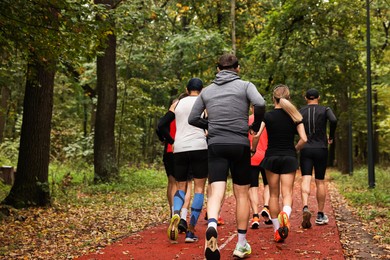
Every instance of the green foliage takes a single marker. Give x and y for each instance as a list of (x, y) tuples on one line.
[(355, 187), (68, 181), (9, 150)]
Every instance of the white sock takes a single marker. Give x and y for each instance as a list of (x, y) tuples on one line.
[(242, 239), (212, 224), (288, 210), (172, 211), (275, 223), (183, 213)]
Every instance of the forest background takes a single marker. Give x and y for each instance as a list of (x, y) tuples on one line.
[(84, 83)]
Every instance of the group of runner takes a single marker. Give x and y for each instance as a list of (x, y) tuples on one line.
[(211, 140)]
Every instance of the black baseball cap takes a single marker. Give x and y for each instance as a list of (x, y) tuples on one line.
[(195, 84), (312, 94)]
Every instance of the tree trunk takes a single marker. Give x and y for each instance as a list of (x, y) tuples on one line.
[(233, 23), (5, 94), (342, 137), (105, 161), (31, 187)]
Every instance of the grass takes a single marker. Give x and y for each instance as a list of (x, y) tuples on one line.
[(372, 205)]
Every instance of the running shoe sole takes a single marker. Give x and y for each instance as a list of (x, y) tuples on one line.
[(255, 225), (241, 254), (265, 214), (182, 227), (284, 225), (211, 247), (191, 239), (172, 229), (306, 219)]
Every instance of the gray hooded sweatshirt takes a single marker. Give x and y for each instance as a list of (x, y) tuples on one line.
[(227, 102)]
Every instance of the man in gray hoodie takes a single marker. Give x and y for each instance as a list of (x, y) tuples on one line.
[(227, 102)]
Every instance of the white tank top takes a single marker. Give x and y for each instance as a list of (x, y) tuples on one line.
[(187, 137)]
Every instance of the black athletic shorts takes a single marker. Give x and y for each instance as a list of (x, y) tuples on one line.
[(191, 164), (316, 158), (233, 157), (280, 164), (168, 164), (254, 172)]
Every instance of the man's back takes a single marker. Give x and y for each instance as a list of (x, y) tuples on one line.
[(227, 102)]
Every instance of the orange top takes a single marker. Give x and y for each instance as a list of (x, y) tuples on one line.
[(172, 132), (261, 146)]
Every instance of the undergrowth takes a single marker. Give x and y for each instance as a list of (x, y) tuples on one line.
[(371, 204)]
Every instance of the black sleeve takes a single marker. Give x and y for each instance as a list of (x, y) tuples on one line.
[(332, 122), (159, 135), (163, 126), (259, 112)]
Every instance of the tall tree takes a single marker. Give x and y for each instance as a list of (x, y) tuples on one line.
[(42, 38), (105, 162)]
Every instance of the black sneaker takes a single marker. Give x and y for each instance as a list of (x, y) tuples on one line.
[(182, 226), (306, 215), (211, 251)]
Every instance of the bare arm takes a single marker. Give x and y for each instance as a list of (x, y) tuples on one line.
[(256, 138), (302, 137)]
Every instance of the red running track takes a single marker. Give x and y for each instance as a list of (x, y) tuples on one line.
[(318, 242)]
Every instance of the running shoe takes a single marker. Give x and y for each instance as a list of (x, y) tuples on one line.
[(172, 229), (321, 220), (190, 237), (268, 222), (306, 218), (284, 224), (242, 251), (220, 221), (265, 214), (211, 251), (277, 236), (182, 227), (255, 223)]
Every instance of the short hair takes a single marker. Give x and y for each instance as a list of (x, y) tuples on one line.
[(227, 61), (195, 84)]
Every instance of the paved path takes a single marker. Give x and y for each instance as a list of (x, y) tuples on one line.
[(318, 242)]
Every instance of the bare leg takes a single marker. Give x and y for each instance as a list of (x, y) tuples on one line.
[(254, 199), (321, 194), (287, 184), (305, 189), (274, 190), (242, 205)]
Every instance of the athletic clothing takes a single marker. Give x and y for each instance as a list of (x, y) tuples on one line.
[(261, 145), (315, 118), (190, 146), (191, 164), (227, 102), (316, 158), (168, 152), (281, 156), (223, 157), (314, 153), (188, 137), (258, 157)]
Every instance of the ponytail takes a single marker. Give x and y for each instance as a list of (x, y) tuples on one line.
[(282, 96)]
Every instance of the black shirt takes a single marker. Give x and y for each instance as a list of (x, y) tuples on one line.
[(315, 119)]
